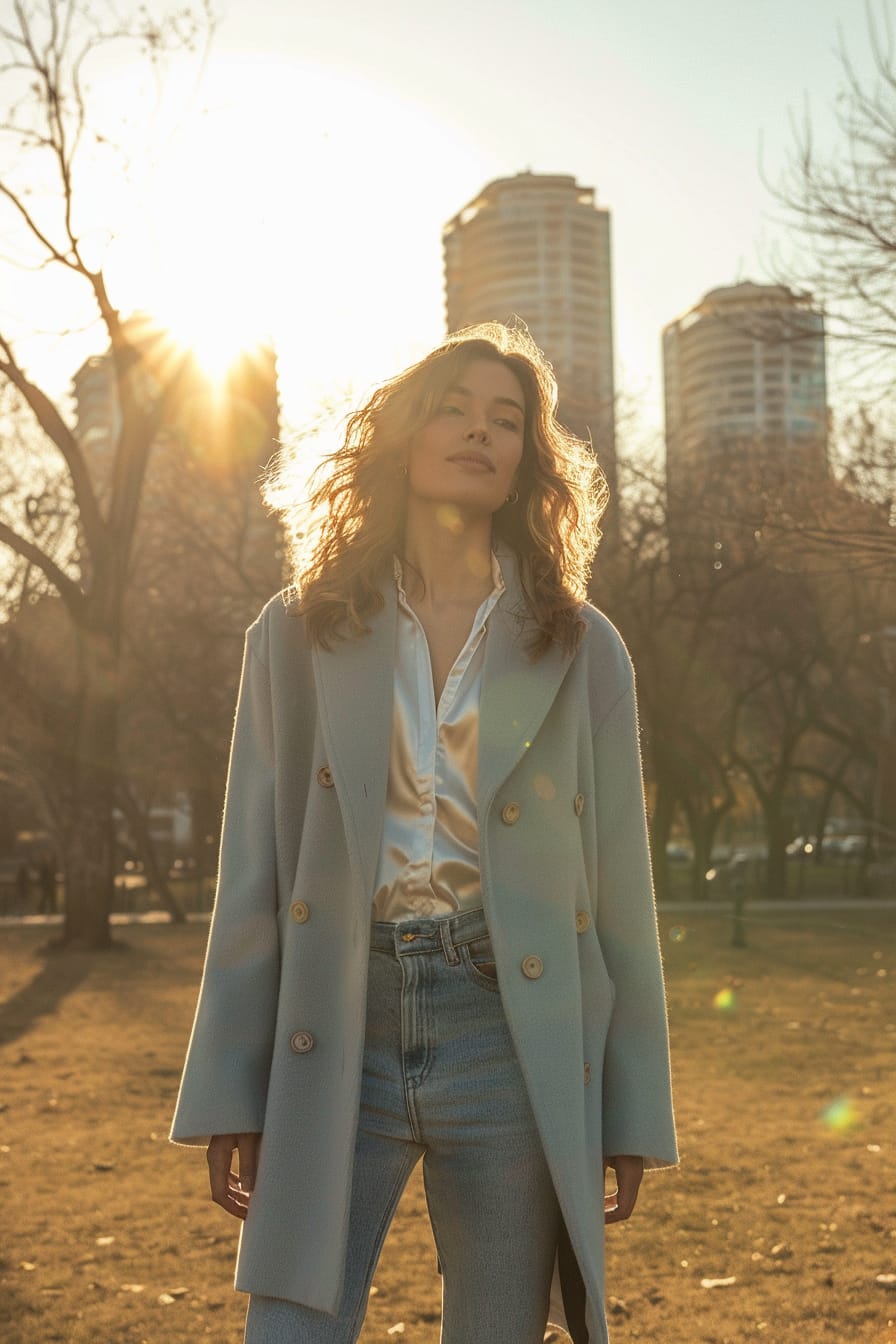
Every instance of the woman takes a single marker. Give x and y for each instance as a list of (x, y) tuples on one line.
[(434, 933)]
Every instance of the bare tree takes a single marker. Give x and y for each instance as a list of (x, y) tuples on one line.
[(48, 122), (749, 634), (841, 209)]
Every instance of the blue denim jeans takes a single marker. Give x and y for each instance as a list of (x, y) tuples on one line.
[(441, 1082)]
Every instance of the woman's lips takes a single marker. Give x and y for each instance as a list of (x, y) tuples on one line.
[(475, 461)]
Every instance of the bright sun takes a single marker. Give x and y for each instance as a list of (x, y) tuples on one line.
[(276, 213), (202, 260)]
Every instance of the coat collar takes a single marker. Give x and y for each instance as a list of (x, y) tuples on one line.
[(354, 683)]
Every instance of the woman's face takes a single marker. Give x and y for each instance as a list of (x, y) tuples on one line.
[(469, 452)]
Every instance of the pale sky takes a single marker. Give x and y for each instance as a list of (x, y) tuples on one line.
[(307, 194)]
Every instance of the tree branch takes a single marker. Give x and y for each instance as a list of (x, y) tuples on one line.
[(53, 425), (68, 590)]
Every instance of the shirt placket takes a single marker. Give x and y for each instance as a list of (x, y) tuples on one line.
[(429, 751), (431, 766)]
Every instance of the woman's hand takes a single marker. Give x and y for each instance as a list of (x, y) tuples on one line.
[(620, 1204), (230, 1190)]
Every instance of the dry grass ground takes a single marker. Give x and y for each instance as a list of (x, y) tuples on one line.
[(108, 1236)]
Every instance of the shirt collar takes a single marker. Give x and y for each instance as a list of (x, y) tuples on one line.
[(498, 585)]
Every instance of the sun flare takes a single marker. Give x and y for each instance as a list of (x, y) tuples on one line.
[(271, 218)]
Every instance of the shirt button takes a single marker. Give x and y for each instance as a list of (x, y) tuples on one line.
[(510, 814), (579, 804), (325, 777), (532, 967), (587, 1074), (583, 921), (300, 1042), (299, 911)]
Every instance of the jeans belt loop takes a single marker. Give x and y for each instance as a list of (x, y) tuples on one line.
[(451, 955)]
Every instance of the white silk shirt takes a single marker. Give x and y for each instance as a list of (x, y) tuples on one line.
[(429, 857)]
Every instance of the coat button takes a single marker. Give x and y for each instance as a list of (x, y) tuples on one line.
[(532, 967), (583, 921), (299, 911), (587, 1073), (325, 777), (579, 804), (300, 1042), (510, 814)]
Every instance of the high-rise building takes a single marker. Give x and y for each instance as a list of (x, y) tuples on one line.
[(744, 379), (537, 247)]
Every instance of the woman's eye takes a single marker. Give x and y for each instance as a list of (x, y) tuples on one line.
[(448, 409), (509, 424)]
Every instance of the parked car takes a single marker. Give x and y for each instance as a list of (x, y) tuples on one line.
[(803, 847), (678, 853), (181, 868), (845, 846)]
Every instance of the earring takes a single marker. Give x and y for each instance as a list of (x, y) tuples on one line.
[(513, 497), (403, 469)]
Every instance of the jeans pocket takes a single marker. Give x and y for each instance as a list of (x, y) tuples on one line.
[(478, 960)]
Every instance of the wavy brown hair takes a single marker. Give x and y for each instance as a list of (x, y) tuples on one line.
[(358, 496)]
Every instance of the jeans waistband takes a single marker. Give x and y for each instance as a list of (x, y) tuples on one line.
[(411, 937)]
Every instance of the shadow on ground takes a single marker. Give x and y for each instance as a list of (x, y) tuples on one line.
[(58, 977)]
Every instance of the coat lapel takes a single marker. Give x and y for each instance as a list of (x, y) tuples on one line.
[(355, 688), (516, 693)]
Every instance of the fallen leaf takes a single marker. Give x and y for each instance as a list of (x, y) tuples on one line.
[(27, 1264), (886, 1280), (397, 1329), (166, 1299), (132, 1287), (718, 1283), (178, 1292), (104, 1241)]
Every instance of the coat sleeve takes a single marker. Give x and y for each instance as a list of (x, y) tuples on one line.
[(224, 1084), (637, 1094)]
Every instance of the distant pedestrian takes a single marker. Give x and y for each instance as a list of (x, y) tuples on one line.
[(434, 934), (23, 886), (46, 877)]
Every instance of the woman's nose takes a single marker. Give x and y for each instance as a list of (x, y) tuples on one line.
[(477, 428)]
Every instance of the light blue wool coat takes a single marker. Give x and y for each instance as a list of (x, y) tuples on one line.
[(559, 738)]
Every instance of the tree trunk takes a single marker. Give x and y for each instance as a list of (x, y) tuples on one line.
[(702, 832), (89, 862), (777, 828), (206, 809), (156, 878), (660, 825)]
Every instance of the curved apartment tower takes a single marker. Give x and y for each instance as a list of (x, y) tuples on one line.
[(744, 382), (536, 246)]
